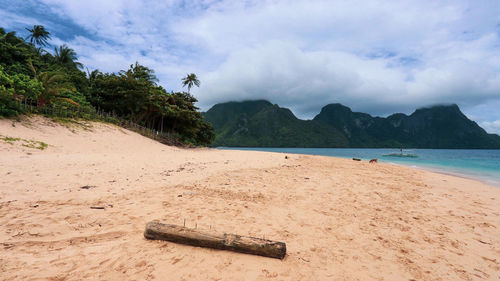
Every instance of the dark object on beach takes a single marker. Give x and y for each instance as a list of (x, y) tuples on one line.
[(356, 159), (97, 207), (221, 241), (87, 186), (286, 157), (374, 160)]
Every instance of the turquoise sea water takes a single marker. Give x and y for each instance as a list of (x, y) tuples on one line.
[(473, 163)]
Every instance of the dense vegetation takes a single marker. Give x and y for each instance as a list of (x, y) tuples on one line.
[(260, 123), (29, 74)]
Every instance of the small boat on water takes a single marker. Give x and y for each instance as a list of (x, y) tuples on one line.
[(401, 154)]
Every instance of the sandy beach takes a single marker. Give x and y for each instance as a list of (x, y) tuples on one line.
[(340, 219)]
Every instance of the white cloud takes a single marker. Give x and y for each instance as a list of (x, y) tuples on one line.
[(299, 79), (9, 20), (492, 127), (307, 80)]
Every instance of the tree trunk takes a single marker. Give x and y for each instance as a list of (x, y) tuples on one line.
[(162, 125), (142, 116), (172, 130), (222, 241)]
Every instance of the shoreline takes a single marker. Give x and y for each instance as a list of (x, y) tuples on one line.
[(340, 219), (492, 183), (462, 173)]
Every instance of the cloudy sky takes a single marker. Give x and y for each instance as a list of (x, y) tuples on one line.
[(378, 57)]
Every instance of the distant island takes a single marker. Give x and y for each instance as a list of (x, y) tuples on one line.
[(259, 123)]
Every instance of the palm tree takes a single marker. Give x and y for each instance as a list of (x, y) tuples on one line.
[(39, 35), (92, 76), (54, 84), (138, 72), (190, 80), (66, 56)]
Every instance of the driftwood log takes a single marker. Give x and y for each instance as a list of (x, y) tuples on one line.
[(222, 241)]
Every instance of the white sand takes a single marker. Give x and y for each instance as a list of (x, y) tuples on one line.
[(341, 219)]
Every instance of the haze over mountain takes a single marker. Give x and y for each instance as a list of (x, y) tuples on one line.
[(260, 123)]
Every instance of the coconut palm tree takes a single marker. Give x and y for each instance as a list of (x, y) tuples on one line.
[(66, 56), (54, 84), (190, 80), (92, 76), (38, 36)]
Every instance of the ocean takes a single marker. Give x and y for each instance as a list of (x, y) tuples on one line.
[(479, 164)]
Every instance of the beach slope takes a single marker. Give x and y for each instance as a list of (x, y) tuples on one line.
[(340, 219)]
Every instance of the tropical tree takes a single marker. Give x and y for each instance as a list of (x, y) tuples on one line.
[(55, 79), (140, 72), (11, 36), (66, 56), (190, 80), (92, 76), (54, 85), (38, 36)]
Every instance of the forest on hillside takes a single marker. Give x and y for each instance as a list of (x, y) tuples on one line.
[(259, 123), (32, 73)]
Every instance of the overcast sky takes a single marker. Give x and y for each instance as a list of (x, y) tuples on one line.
[(378, 57)]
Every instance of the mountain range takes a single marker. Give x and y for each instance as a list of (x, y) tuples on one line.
[(260, 123)]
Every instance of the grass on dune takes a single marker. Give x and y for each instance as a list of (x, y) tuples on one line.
[(27, 143)]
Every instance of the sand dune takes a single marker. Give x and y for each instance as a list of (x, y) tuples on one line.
[(341, 219)]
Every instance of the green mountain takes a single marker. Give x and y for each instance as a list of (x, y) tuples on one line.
[(260, 123)]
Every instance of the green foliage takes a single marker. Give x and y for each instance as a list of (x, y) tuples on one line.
[(30, 76), (14, 53), (205, 134), (14, 89), (66, 56), (25, 87), (133, 94), (8, 106), (9, 140), (259, 123), (188, 121), (54, 86), (190, 80), (38, 35)]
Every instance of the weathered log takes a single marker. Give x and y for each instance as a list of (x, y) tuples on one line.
[(222, 241)]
